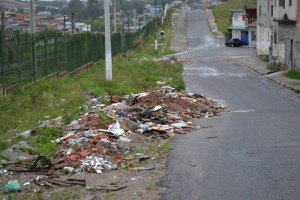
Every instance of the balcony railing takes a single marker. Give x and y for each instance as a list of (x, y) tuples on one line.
[(250, 22)]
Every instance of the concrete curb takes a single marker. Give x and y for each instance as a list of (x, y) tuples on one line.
[(265, 76)]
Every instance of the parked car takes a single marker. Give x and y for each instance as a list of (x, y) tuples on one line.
[(233, 43)]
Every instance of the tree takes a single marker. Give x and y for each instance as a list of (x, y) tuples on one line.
[(76, 7), (94, 9)]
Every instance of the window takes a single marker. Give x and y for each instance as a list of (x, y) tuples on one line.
[(282, 3), (272, 11), (259, 11), (290, 2), (275, 37)]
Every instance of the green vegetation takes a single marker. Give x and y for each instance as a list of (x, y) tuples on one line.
[(223, 16), (293, 74), (273, 67), (29, 108), (150, 186), (68, 193)]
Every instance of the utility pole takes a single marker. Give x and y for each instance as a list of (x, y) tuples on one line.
[(108, 60), (73, 22), (32, 16), (115, 16), (139, 23), (128, 24), (155, 41), (144, 19), (65, 28)]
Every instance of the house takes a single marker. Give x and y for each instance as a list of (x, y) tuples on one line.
[(279, 31), (244, 25)]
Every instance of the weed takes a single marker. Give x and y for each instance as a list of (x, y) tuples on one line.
[(293, 74), (273, 67), (109, 196), (150, 186), (3, 144), (115, 181), (43, 142), (66, 194)]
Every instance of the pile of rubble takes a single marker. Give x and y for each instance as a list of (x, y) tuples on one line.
[(92, 144), (157, 60)]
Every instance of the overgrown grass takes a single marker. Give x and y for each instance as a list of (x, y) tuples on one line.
[(293, 74), (223, 16), (28, 108)]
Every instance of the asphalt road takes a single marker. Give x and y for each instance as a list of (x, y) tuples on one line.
[(256, 154)]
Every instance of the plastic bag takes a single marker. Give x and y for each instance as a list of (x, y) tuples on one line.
[(12, 186)]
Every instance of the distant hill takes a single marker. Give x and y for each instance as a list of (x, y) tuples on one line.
[(222, 14)]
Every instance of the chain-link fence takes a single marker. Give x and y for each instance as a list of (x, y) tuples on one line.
[(25, 58)]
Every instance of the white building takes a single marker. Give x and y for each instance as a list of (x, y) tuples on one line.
[(244, 25)]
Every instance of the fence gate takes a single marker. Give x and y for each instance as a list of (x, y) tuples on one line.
[(288, 48)]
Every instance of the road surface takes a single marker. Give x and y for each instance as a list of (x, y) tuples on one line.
[(255, 152)]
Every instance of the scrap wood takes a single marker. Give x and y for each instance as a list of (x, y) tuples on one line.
[(76, 179), (108, 187), (56, 182), (19, 169), (46, 184), (64, 182)]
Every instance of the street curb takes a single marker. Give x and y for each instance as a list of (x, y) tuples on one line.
[(296, 91)]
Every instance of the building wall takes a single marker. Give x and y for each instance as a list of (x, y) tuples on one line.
[(285, 30), (252, 36), (264, 25), (237, 19), (286, 10)]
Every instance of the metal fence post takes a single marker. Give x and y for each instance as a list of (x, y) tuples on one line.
[(65, 50), (46, 52), (33, 58), (73, 51), (56, 52), (18, 57), (1, 54)]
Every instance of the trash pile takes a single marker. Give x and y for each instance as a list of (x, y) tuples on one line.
[(157, 60), (92, 145), (101, 138)]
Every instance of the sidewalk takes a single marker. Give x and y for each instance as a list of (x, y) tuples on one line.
[(260, 66)]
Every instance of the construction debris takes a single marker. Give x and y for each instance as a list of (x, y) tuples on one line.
[(103, 137)]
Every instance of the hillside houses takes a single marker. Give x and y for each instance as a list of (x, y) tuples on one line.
[(278, 31)]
